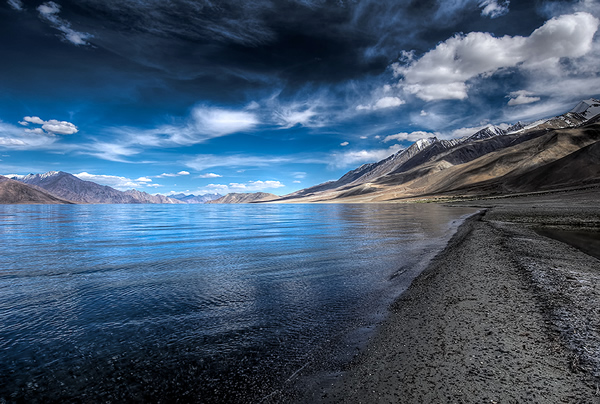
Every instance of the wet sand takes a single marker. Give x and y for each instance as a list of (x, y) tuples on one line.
[(502, 315)]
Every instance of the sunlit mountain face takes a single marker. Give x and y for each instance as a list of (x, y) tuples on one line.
[(198, 97)]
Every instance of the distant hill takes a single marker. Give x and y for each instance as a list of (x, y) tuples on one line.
[(144, 197), (555, 153), (195, 198), (15, 192), (246, 198), (66, 186)]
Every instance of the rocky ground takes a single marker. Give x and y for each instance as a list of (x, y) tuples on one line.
[(502, 315)]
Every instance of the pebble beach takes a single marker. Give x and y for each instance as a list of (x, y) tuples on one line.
[(503, 314)]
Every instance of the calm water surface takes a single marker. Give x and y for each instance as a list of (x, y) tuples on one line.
[(197, 303)]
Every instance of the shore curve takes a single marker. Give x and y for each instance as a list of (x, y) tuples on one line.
[(501, 315)]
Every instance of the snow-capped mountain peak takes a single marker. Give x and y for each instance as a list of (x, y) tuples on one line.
[(516, 127), (487, 132), (423, 143), (587, 108), (40, 177)]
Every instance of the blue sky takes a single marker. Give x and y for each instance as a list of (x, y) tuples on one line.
[(265, 95)]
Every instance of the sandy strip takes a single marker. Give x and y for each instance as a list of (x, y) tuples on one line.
[(502, 315)]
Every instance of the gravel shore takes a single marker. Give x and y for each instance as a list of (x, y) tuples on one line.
[(502, 315)]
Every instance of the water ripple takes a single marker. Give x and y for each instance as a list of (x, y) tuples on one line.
[(207, 303)]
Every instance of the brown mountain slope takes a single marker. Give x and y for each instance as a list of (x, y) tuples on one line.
[(14, 192), (518, 160), (580, 168), (526, 166)]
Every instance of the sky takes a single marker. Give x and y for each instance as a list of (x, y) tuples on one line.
[(205, 96)]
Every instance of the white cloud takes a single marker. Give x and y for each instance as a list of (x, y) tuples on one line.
[(209, 175), (309, 113), (219, 188), (299, 175), (8, 142), (114, 181), (183, 173), (60, 127), (560, 88), (344, 144), (382, 103), (411, 137), (307, 108), (388, 102), (253, 106), (110, 151), (297, 182), (295, 114), (33, 119), (493, 8), (259, 185), (16, 4), (37, 131), (356, 157), (25, 139), (204, 123), (8, 138), (170, 175), (443, 72), (521, 97), (220, 122), (250, 186), (49, 11), (51, 126), (535, 111), (554, 8)]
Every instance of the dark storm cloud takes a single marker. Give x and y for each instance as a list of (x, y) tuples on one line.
[(296, 41), (289, 39), (314, 58)]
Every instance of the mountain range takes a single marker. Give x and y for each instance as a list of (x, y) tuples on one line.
[(246, 198), (195, 198), (557, 153), (62, 187)]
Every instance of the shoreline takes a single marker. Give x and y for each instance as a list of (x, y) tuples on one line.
[(502, 314)]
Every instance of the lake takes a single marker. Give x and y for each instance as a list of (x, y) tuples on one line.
[(198, 303)]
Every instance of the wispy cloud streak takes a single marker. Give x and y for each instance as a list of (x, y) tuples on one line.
[(49, 11)]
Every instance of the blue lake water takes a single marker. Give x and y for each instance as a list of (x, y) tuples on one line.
[(198, 303)]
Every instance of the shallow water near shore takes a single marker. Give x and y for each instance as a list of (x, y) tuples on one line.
[(196, 303)]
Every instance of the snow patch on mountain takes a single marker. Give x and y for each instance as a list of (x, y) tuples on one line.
[(487, 133), (587, 108), (40, 177)]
